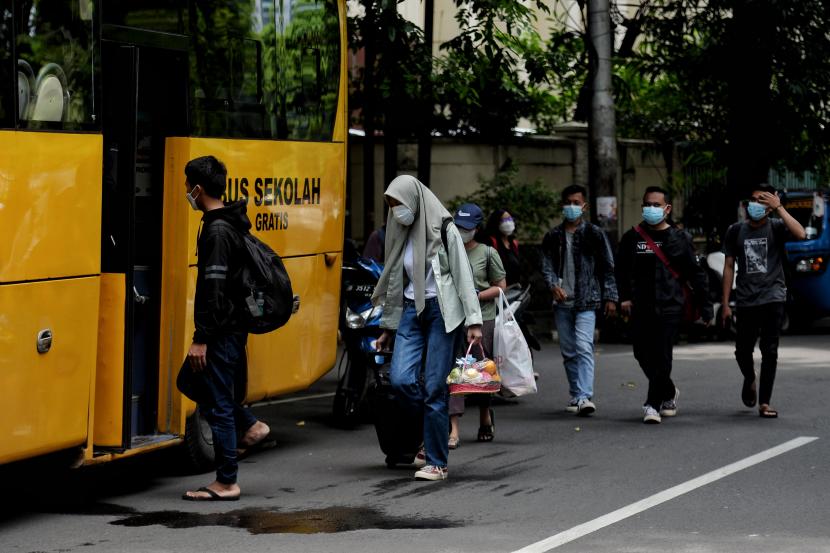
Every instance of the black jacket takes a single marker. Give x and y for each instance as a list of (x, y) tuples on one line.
[(657, 290), (593, 264), (220, 252)]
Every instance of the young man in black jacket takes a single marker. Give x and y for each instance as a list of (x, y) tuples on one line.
[(652, 295), (217, 353), (578, 266)]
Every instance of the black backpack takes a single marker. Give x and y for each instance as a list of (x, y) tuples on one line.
[(266, 288), (265, 299)]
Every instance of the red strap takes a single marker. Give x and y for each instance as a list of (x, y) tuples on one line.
[(657, 251)]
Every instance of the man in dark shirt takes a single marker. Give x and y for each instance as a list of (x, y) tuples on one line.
[(652, 294), (761, 291), (217, 354)]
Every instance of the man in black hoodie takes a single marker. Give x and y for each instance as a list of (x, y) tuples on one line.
[(652, 294), (217, 353)]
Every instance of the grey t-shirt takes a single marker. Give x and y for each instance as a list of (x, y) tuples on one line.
[(758, 252), (568, 271)]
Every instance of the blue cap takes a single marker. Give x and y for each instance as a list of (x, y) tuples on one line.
[(468, 216)]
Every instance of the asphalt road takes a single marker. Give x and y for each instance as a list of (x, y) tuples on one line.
[(709, 480)]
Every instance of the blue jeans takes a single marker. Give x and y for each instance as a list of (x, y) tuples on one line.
[(225, 377), (576, 341), (423, 345)]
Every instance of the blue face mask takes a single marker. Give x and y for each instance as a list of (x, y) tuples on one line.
[(653, 215), (572, 212), (756, 211)]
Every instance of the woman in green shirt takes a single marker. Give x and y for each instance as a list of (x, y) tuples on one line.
[(489, 277)]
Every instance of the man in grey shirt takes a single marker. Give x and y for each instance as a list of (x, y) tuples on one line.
[(761, 290)]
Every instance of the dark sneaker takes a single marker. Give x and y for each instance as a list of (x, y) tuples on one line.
[(650, 415), (431, 472), (585, 408), (669, 407)]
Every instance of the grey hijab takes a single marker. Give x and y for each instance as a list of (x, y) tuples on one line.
[(425, 231)]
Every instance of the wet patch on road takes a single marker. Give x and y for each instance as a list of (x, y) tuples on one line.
[(264, 521)]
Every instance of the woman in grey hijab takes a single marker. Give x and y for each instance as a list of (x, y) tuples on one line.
[(427, 293)]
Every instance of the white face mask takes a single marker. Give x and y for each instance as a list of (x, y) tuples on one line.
[(191, 200), (467, 235), (507, 227), (403, 215)]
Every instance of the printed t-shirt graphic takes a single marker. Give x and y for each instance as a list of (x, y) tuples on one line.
[(756, 250)]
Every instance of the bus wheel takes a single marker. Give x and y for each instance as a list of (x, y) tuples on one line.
[(198, 441)]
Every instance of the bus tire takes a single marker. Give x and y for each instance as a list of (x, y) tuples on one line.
[(198, 441)]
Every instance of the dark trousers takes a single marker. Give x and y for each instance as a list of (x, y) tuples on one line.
[(225, 380), (653, 338), (762, 321)]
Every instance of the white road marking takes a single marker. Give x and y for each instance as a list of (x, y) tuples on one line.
[(591, 526), (295, 399)]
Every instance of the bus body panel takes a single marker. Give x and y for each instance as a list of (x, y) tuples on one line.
[(810, 291), (50, 205), (109, 372), (293, 357), (47, 405)]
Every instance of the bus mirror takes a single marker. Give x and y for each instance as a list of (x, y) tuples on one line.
[(818, 205), (811, 233)]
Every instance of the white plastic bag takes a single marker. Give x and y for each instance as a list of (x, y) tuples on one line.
[(511, 352)]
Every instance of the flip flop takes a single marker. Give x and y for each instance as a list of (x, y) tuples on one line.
[(749, 394), (261, 445), (212, 496), (767, 413), (453, 442)]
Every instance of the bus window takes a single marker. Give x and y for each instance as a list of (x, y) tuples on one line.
[(6, 80), (156, 15), (55, 40), (308, 61), (229, 73)]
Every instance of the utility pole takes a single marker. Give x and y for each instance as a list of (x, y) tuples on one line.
[(425, 138), (602, 144), (370, 218)]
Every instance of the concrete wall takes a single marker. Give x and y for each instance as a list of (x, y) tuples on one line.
[(557, 161)]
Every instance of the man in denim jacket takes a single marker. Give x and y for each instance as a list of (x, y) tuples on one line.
[(578, 266)]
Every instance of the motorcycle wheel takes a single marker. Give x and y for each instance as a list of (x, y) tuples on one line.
[(198, 443), (350, 395)]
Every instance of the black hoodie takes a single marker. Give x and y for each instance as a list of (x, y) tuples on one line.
[(220, 250)]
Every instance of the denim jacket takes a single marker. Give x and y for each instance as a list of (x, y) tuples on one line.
[(593, 264)]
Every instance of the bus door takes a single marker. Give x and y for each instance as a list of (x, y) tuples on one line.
[(144, 101)]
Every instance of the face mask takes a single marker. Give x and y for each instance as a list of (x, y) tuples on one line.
[(467, 235), (191, 200), (756, 211), (653, 215), (572, 212), (403, 215), (507, 227)]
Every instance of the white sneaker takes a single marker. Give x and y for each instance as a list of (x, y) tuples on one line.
[(650, 415), (431, 472), (420, 459), (669, 407), (573, 406), (585, 408)]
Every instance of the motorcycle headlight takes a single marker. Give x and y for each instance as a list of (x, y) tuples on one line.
[(356, 320), (810, 265)]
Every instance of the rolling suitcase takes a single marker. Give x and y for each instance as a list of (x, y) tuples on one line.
[(400, 434)]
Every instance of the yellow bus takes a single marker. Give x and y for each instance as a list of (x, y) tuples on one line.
[(102, 104)]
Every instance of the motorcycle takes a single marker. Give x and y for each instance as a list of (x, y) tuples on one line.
[(359, 329), (714, 264)]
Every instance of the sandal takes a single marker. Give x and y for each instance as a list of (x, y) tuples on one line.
[(486, 432), (749, 394), (765, 412), (453, 442)]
